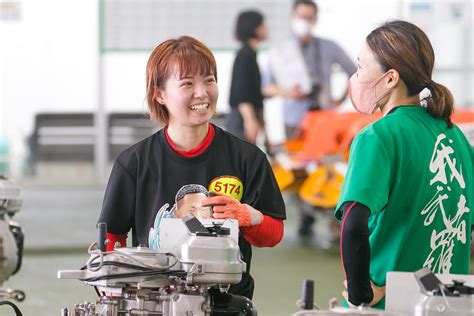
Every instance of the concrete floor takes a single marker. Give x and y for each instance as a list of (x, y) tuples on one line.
[(59, 225)]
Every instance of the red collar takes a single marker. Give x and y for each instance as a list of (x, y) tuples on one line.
[(197, 150)]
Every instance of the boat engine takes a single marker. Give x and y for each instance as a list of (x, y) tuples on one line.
[(189, 275)]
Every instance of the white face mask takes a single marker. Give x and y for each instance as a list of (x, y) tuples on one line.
[(301, 27)]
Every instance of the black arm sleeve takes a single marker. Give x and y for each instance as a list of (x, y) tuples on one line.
[(355, 251)]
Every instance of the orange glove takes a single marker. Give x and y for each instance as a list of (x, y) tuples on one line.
[(226, 207)]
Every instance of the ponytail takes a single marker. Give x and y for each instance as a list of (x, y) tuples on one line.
[(440, 104), (404, 47)]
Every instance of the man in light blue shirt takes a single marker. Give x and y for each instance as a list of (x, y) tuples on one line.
[(316, 57), (300, 70)]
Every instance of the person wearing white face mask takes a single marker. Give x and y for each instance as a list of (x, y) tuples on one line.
[(311, 59), (408, 195), (300, 71)]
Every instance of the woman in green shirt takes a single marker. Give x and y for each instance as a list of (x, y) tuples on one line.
[(408, 193)]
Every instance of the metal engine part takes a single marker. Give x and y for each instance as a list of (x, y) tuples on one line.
[(443, 299), (8, 250), (422, 294), (11, 238), (190, 280), (11, 241), (308, 308)]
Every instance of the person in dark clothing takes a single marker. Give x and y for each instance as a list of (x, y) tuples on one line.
[(182, 94), (245, 119)]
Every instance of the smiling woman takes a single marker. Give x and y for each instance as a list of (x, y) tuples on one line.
[(182, 89), (182, 94), (190, 103)]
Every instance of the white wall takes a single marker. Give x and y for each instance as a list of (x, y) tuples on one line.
[(48, 61), (125, 80)]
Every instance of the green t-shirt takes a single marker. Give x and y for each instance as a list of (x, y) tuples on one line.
[(416, 177)]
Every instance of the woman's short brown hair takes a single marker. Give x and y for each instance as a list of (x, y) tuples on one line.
[(184, 55)]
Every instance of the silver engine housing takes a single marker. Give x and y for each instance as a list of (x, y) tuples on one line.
[(143, 281)]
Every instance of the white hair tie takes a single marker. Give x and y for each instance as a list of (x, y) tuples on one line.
[(424, 95)]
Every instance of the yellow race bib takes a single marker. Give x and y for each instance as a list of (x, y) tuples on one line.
[(227, 185)]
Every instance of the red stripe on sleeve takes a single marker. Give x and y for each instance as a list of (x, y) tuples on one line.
[(113, 238), (266, 234), (340, 237)]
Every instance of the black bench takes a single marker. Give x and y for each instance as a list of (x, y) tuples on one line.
[(71, 136), (125, 129), (62, 137)]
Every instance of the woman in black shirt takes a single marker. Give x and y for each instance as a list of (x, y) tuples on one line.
[(246, 100), (182, 95)]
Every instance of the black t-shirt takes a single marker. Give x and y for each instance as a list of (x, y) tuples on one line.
[(148, 174), (246, 80)]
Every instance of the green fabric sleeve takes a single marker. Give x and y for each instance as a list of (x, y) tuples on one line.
[(367, 180)]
